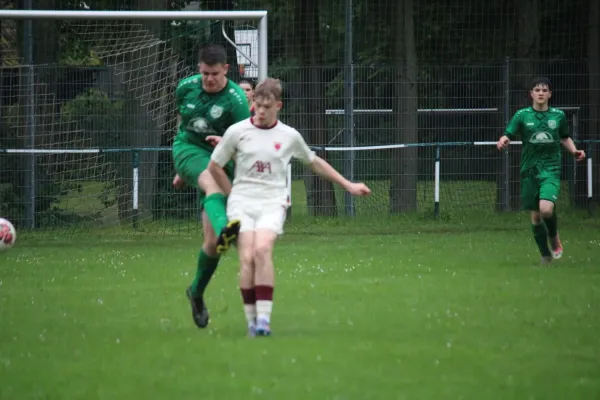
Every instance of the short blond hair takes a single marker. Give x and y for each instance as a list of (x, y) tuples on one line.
[(270, 88)]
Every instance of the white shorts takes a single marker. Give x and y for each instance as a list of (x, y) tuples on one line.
[(254, 215)]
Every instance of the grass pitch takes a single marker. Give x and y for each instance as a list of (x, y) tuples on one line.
[(411, 310)]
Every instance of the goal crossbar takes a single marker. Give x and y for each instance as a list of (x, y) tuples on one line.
[(93, 15)]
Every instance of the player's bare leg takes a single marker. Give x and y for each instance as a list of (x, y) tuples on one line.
[(215, 205), (548, 214), (208, 260), (264, 279), (245, 246), (540, 235)]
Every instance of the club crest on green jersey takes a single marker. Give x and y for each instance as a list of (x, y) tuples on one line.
[(200, 125), (216, 111), (541, 137), (551, 124)]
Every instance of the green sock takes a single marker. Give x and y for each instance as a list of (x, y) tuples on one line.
[(552, 225), (206, 268), (215, 206), (541, 238)]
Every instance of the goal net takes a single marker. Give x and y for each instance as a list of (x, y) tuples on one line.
[(86, 136)]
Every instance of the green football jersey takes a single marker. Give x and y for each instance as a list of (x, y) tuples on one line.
[(204, 114), (540, 132)]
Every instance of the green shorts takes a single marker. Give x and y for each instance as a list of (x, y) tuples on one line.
[(191, 160), (539, 186)]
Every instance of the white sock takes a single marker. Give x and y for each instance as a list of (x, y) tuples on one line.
[(263, 310), (250, 311)]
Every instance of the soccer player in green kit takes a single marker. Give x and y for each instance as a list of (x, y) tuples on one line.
[(543, 130), (208, 104)]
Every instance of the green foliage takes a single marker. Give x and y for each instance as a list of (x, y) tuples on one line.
[(186, 38), (98, 115), (107, 194), (72, 50), (102, 119), (77, 54), (11, 203), (170, 202), (13, 194), (48, 191)]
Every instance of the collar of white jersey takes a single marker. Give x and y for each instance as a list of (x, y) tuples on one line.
[(262, 127)]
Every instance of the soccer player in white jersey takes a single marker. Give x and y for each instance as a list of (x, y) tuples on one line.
[(262, 147)]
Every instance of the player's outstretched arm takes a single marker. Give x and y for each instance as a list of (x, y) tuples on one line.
[(512, 131), (302, 152), (571, 148), (503, 143), (325, 170)]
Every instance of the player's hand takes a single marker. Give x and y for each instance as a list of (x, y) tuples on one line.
[(359, 189), (579, 155), (213, 140), (178, 183), (502, 143)]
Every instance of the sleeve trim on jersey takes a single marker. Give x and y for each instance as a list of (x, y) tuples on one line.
[(218, 160), (190, 79)]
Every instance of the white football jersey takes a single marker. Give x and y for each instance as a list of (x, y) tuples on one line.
[(261, 156)]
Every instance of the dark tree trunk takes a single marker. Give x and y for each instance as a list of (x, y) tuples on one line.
[(319, 192), (522, 71), (404, 167)]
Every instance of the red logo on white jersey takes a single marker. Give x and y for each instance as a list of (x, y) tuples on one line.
[(277, 146), (261, 167)]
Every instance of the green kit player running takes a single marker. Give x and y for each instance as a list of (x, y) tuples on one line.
[(208, 104), (542, 130)]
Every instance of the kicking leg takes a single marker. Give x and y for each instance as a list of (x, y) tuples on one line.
[(208, 259), (264, 241), (548, 214), (215, 205), (191, 162), (245, 246), (540, 235)]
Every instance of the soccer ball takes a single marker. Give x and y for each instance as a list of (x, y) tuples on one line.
[(8, 234)]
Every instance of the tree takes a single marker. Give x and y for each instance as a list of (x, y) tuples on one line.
[(522, 69), (404, 162), (319, 192)]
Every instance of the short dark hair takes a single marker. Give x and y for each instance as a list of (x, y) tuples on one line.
[(213, 54), (248, 81), (541, 80)]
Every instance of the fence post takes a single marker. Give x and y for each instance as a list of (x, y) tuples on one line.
[(348, 166), (436, 184), (573, 164), (135, 161), (505, 154), (288, 215), (590, 179), (30, 120)]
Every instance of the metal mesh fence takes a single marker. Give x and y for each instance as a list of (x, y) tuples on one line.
[(355, 74)]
